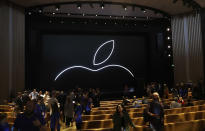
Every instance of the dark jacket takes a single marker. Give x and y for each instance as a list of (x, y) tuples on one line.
[(155, 108), (118, 121)]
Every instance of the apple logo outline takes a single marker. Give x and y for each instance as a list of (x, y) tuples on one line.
[(95, 64)]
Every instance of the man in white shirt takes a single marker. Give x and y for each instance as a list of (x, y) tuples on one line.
[(33, 95)]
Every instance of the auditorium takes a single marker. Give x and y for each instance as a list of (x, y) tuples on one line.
[(102, 65)]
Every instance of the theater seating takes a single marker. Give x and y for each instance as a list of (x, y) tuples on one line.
[(101, 118), (184, 119)]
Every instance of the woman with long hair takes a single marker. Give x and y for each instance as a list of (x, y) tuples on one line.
[(69, 111), (121, 119)]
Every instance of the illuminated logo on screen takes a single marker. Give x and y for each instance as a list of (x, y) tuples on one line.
[(94, 62)]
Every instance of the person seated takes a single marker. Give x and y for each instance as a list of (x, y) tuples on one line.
[(189, 102), (144, 100), (165, 104), (134, 99), (189, 93), (181, 101), (175, 104), (4, 126), (136, 103), (125, 101)]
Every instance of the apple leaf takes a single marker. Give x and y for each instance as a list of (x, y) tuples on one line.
[(107, 42)]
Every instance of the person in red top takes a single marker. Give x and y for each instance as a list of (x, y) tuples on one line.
[(181, 101)]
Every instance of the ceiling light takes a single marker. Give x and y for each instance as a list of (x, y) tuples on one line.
[(143, 10), (102, 6), (57, 8), (168, 29), (40, 11), (125, 8), (79, 6), (168, 38)]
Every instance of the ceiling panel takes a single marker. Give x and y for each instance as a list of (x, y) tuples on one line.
[(164, 5), (201, 3)]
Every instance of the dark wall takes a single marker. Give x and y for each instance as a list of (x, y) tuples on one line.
[(202, 13), (156, 68)]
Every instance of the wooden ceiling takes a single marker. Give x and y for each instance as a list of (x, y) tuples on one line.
[(164, 5)]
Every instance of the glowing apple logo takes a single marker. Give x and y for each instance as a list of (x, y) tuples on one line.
[(94, 63)]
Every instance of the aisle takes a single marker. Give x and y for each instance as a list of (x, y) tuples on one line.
[(73, 128)]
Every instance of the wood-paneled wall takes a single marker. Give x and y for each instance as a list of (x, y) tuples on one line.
[(187, 48), (12, 52)]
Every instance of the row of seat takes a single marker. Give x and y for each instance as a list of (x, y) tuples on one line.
[(192, 125), (139, 121), (112, 110), (138, 112), (101, 117)]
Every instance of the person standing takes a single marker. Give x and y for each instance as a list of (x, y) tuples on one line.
[(121, 119), (55, 117), (33, 95), (29, 120), (78, 115), (69, 111), (4, 126), (155, 113)]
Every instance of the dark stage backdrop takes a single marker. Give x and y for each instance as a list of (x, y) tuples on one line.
[(60, 51)]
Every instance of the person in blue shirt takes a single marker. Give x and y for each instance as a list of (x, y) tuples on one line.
[(154, 113), (55, 117), (29, 120), (88, 107), (78, 115), (40, 106), (4, 126)]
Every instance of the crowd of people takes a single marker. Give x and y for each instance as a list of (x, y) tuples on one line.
[(34, 110), (178, 90), (182, 94)]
